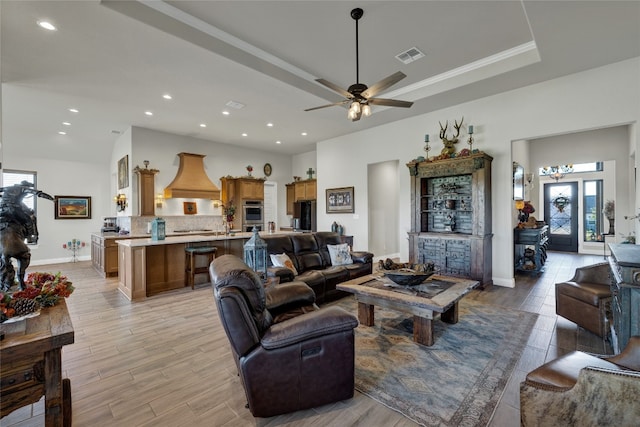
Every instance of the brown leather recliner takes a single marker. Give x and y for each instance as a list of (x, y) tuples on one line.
[(581, 389), (290, 354), (585, 298)]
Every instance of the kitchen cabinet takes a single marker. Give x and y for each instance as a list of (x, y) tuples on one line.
[(237, 190), (305, 190), (104, 255), (146, 191), (451, 215), (291, 197)]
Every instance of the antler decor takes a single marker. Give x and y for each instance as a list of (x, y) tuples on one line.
[(449, 149)]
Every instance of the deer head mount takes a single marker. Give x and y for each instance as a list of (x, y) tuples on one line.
[(448, 143)]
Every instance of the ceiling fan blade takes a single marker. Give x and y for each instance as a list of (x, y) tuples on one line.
[(384, 84), (335, 88), (328, 105), (390, 102)]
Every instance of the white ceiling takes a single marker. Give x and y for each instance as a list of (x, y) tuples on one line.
[(113, 60)]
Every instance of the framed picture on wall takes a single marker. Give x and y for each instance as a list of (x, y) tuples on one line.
[(72, 207), (340, 200), (189, 208), (123, 172)]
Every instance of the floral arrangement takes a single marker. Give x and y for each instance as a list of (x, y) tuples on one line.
[(42, 290), (609, 209), (229, 212)]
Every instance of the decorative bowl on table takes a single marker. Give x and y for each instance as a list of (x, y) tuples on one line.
[(408, 277), (406, 274)]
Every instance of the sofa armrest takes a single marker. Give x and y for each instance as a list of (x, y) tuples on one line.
[(326, 321), (283, 273), (362, 257), (289, 294)]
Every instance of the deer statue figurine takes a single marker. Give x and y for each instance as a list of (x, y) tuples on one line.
[(449, 149)]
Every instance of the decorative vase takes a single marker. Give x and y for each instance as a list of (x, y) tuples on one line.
[(334, 227), (340, 229), (612, 226)]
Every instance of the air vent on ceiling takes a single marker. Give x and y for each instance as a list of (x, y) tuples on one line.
[(410, 55), (235, 104)]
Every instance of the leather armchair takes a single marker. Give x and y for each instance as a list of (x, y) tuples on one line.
[(581, 389), (585, 299), (290, 354)]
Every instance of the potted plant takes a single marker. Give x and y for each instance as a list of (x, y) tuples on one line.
[(609, 212)]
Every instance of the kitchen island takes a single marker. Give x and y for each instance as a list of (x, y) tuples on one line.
[(147, 267)]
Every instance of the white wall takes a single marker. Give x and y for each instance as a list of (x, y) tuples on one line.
[(597, 98), (65, 179), (383, 210), (300, 164)]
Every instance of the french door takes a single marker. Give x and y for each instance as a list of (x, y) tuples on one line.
[(561, 214)]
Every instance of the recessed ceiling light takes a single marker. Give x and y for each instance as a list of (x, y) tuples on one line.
[(244, 134), (167, 96), (73, 110), (62, 132), (203, 125), (303, 134), (47, 25), (270, 125), (148, 113), (278, 142), (66, 123), (226, 113)]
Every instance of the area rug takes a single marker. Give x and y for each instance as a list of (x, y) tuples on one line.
[(456, 382)]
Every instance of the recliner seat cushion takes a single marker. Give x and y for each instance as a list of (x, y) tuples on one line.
[(590, 293)]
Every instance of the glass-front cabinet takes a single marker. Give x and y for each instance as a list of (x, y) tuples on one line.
[(451, 215)]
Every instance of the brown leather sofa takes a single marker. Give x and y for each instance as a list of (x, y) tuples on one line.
[(310, 257), (585, 299), (581, 389), (290, 354)]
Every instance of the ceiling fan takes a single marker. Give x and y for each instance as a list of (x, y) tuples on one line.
[(359, 95)]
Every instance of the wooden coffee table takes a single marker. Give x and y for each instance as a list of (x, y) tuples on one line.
[(438, 294)]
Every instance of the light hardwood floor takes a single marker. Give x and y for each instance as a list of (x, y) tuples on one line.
[(165, 361)]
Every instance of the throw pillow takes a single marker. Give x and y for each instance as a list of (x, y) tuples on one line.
[(283, 260), (340, 254)]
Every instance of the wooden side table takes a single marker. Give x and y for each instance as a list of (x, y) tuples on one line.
[(32, 364)]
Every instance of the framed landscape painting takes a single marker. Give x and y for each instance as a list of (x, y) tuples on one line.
[(123, 172), (340, 200), (72, 207)]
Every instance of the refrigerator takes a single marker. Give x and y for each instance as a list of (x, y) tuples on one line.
[(305, 211)]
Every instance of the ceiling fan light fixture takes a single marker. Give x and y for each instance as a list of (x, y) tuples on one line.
[(359, 95)]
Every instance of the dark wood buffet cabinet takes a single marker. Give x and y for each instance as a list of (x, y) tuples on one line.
[(451, 215)]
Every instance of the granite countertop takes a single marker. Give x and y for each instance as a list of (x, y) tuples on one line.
[(187, 238)]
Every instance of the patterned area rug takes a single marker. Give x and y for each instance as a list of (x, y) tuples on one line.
[(457, 381)]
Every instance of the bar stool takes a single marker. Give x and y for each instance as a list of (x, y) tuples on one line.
[(191, 255)]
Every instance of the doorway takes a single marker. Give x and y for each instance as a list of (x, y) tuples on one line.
[(561, 213)]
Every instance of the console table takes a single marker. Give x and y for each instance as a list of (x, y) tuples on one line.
[(32, 364), (530, 248)]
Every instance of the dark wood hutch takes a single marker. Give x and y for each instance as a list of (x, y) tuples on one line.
[(451, 215)]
